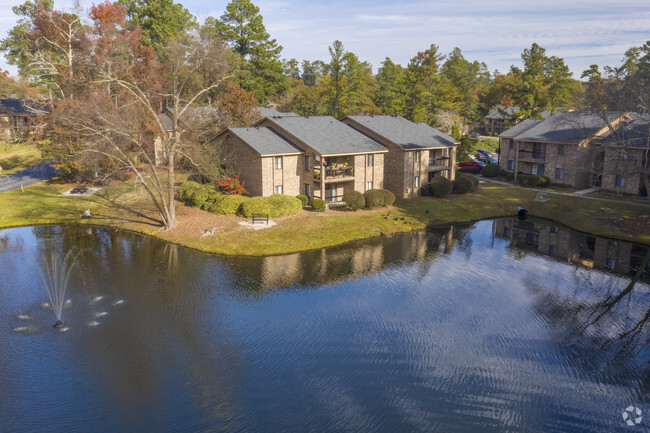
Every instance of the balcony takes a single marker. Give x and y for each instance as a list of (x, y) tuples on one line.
[(437, 164), (532, 156), (334, 173)]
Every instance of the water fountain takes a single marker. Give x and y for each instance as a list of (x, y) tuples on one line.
[(55, 274)]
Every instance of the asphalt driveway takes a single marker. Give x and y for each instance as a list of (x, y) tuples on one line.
[(26, 177)]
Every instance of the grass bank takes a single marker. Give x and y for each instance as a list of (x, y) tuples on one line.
[(122, 206), (16, 157)]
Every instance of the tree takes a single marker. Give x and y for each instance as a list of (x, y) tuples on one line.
[(336, 77), (467, 79), (116, 117), (390, 96), (160, 20), (242, 27), (49, 47)]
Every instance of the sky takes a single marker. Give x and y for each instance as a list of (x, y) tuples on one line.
[(582, 32)]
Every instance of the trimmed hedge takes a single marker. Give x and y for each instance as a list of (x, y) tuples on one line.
[(389, 197), (425, 190), (354, 200), (463, 185), (284, 205), (186, 189), (501, 173), (510, 175), (318, 205), (472, 170), (490, 170), (303, 199), (529, 180), (374, 198), (544, 180), (255, 205), (229, 205), (441, 186), (472, 178)]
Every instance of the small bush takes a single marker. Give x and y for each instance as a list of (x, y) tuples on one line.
[(441, 186), (303, 199), (185, 188), (510, 175), (463, 185), (389, 197), (197, 197), (472, 170), (374, 199), (255, 205), (472, 178), (354, 200), (425, 190), (284, 205), (229, 204), (501, 173), (490, 170), (544, 180), (318, 205), (529, 180)]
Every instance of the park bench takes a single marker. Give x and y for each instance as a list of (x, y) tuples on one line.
[(260, 217)]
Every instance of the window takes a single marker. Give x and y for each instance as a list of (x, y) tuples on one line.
[(368, 186), (611, 264), (512, 144), (416, 181), (308, 190), (445, 173), (307, 163), (432, 157), (370, 160), (446, 151), (560, 149), (622, 156), (416, 156), (553, 229), (620, 180), (278, 162), (552, 250), (558, 173), (511, 164), (278, 189)]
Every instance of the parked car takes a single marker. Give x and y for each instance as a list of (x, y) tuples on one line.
[(489, 161), (477, 164), (485, 154)]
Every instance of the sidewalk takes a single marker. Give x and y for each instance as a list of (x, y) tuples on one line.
[(573, 194)]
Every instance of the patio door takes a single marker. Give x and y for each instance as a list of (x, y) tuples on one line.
[(330, 193)]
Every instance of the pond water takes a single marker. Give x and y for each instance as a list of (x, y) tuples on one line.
[(500, 326)]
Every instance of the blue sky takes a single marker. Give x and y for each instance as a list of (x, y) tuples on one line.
[(582, 32)]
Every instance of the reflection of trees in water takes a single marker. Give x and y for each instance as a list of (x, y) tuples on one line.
[(606, 319)]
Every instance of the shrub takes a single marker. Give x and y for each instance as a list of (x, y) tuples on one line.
[(229, 204), (529, 180), (510, 175), (425, 190), (231, 185), (544, 180), (501, 173), (389, 197), (472, 178), (374, 198), (283, 205), (490, 170), (185, 188), (472, 170), (303, 199), (354, 200), (318, 205), (196, 197), (463, 185), (441, 186), (255, 205), (212, 196)]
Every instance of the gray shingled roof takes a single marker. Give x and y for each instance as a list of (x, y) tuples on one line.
[(21, 107), (270, 112), (570, 127), (520, 128), (404, 133), (327, 136), (265, 140)]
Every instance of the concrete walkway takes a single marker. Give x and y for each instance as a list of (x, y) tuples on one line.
[(573, 194), (27, 177)]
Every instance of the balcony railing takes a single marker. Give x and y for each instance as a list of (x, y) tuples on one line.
[(334, 173)]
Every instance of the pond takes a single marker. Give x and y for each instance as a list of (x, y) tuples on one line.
[(499, 326)]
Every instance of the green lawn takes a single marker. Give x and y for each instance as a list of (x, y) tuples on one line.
[(15, 157), (123, 207)]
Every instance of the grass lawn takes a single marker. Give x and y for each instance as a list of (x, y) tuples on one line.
[(122, 206), (15, 157)]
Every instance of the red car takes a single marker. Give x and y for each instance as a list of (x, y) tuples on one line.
[(477, 164)]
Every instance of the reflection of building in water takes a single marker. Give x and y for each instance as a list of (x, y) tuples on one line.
[(574, 247), (358, 258)]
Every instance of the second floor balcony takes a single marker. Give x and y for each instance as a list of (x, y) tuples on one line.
[(334, 173)]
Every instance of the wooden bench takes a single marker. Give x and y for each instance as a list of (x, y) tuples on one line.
[(260, 217)]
